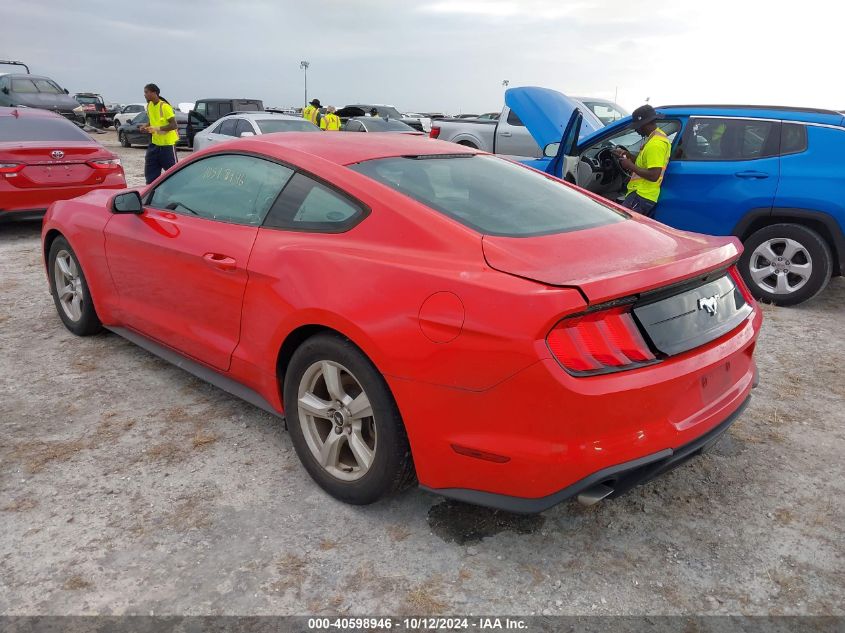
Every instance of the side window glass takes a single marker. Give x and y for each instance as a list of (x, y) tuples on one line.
[(243, 126), (793, 138), (309, 205), (227, 128), (633, 142), (23, 86), (227, 188), (513, 119), (730, 139), (140, 118), (202, 108)]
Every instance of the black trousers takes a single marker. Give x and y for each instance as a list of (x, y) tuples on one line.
[(159, 158)]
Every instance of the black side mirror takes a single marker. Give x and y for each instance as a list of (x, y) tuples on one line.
[(66, 92), (129, 202), (5, 90)]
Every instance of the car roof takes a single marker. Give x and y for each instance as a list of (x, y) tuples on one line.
[(226, 99), (259, 114), (808, 115), (25, 76), (20, 112), (346, 149)]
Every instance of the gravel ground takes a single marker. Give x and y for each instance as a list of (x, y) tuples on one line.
[(128, 486)]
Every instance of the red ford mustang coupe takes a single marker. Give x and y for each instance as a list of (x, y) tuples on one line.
[(44, 158), (421, 311)]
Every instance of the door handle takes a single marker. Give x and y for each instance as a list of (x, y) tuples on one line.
[(751, 174), (505, 134), (221, 262)]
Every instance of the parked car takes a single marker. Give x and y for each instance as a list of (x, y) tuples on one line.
[(37, 91), (420, 310), (207, 111), (250, 124), (377, 124), (127, 113), (130, 133), (419, 123), (44, 158), (94, 108), (771, 176), (505, 133)]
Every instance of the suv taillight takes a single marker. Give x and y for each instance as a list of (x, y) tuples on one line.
[(599, 342), (435, 132)]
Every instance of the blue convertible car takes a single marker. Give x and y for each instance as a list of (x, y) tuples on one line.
[(772, 176)]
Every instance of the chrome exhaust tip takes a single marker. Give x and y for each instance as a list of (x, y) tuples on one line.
[(593, 495)]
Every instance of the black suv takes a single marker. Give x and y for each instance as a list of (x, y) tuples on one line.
[(36, 91), (207, 111)]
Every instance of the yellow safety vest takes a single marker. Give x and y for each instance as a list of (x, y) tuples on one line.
[(311, 113), (158, 114), (655, 152), (330, 123)]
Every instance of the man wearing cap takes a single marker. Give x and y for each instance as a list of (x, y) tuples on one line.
[(330, 122), (648, 167), (312, 112)]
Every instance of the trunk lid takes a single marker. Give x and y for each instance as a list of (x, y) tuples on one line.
[(46, 169), (611, 261)]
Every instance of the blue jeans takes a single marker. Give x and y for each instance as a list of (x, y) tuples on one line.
[(159, 158), (635, 202)]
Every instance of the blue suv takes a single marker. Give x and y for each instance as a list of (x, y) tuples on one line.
[(772, 176)]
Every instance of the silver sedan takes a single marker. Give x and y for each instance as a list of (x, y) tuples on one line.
[(239, 125)]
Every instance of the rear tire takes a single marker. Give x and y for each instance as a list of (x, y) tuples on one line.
[(344, 423), (124, 142), (70, 290), (786, 264)]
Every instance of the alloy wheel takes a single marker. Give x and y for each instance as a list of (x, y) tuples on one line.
[(68, 283), (780, 266), (337, 420)]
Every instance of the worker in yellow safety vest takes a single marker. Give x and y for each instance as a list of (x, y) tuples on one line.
[(312, 112), (330, 122), (648, 167)]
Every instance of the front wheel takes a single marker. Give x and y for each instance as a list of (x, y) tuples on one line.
[(121, 136), (70, 290), (786, 264), (343, 422)]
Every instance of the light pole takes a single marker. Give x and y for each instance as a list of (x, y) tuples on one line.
[(506, 82), (304, 66)]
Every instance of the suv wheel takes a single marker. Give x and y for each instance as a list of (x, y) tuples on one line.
[(70, 290), (343, 422), (786, 264)]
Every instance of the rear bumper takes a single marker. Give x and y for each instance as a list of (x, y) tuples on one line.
[(30, 200), (21, 214), (620, 478)]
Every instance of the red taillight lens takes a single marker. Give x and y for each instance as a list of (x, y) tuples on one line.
[(10, 168), (113, 163), (435, 132), (604, 341), (739, 282)]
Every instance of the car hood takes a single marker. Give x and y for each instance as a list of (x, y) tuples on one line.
[(611, 261), (546, 113), (45, 101)]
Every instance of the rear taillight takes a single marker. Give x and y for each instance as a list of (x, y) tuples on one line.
[(10, 168), (435, 132), (740, 284), (113, 163), (599, 342)]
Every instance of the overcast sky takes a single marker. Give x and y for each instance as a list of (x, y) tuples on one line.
[(447, 55)]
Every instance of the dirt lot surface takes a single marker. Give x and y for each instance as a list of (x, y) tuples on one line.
[(128, 486)]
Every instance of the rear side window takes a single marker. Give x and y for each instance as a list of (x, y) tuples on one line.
[(268, 126), (730, 139), (513, 119), (39, 129), (307, 205), (793, 138), (491, 195), (47, 86), (243, 126), (227, 128)]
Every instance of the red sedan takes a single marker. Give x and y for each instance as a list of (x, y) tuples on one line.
[(44, 158), (421, 311)]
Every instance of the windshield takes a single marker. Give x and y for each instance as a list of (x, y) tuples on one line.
[(268, 126), (489, 194), (385, 125), (47, 86), (605, 111), (39, 129)]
